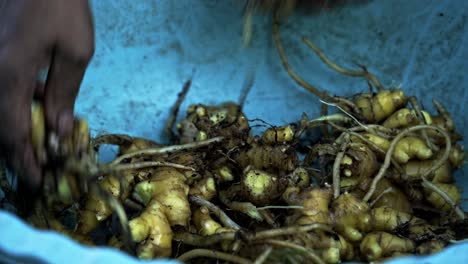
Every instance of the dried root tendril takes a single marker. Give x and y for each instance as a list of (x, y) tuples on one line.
[(388, 190), (307, 252), (371, 78), (111, 139), (262, 258), (122, 216), (390, 151), (149, 164), (208, 253), (168, 149), (283, 231), (420, 115), (348, 114), (175, 110), (246, 208), (345, 102), (429, 185), (376, 148), (444, 113), (203, 241), (223, 218), (286, 65), (280, 207), (323, 120), (336, 167), (375, 129)]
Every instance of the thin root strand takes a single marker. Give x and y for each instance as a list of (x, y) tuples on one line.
[(207, 253)]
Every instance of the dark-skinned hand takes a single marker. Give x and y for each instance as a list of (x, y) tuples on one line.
[(38, 34)]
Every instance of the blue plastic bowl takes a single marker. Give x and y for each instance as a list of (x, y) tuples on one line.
[(146, 50)]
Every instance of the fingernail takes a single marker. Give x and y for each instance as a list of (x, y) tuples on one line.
[(65, 124)]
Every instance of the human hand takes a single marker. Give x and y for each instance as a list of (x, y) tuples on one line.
[(34, 34)]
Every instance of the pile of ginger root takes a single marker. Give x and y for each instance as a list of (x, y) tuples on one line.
[(365, 191), (376, 184)]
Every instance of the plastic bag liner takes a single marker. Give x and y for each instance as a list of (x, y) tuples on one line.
[(146, 50)]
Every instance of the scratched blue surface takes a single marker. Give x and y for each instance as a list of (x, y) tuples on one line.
[(146, 50)]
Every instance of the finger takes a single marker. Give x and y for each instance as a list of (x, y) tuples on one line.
[(24, 164), (18, 146), (72, 53), (15, 135), (18, 150), (62, 86)]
